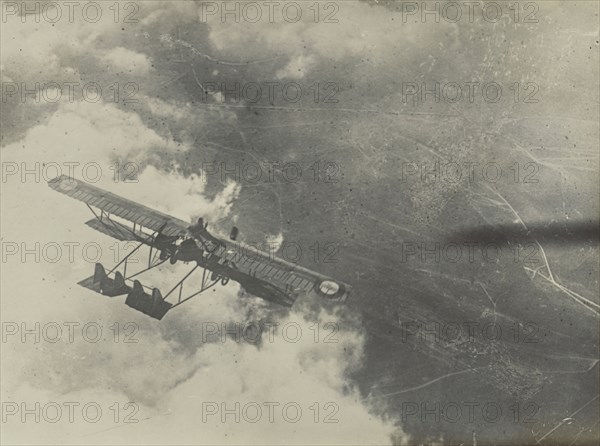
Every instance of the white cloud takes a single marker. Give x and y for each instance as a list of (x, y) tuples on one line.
[(34, 49), (360, 30), (297, 67), (180, 196), (275, 241), (126, 60), (88, 132)]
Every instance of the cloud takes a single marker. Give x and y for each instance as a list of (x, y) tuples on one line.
[(158, 188), (129, 61), (295, 374), (91, 141), (173, 388), (297, 67), (354, 29), (275, 241), (34, 47)]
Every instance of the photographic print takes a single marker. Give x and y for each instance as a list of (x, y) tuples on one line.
[(311, 222)]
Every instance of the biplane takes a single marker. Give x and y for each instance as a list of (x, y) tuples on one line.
[(170, 239)]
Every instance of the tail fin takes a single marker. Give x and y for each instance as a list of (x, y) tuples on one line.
[(99, 273), (156, 298), (137, 288), (119, 280)]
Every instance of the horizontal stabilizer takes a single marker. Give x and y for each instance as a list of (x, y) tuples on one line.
[(101, 283), (152, 305)]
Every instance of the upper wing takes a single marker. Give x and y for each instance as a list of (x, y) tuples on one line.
[(121, 207), (288, 277)]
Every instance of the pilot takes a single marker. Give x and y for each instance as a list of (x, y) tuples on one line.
[(200, 232), (200, 227)]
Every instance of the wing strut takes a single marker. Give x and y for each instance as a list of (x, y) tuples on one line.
[(154, 304)]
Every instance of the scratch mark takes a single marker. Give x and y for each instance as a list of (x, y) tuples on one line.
[(569, 418), (430, 382)]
